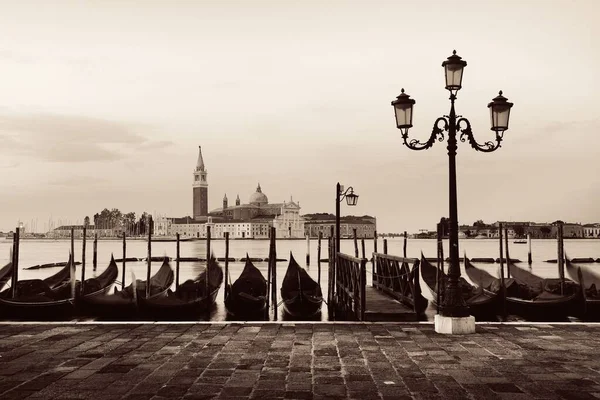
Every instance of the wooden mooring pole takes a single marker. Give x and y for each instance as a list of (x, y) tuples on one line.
[(72, 268), (362, 247), (269, 277), (561, 258), (373, 261), (274, 272), (149, 259), (503, 287), (308, 250), (177, 263), (529, 261), (15, 263), (226, 264), (507, 254), (404, 246), (124, 257), (319, 258), (385, 249), (208, 255), (95, 255), (83, 259), (440, 265), (355, 243), (73, 244)]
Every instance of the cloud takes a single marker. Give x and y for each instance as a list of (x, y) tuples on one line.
[(72, 139)]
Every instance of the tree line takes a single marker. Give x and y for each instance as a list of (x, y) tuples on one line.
[(128, 223)]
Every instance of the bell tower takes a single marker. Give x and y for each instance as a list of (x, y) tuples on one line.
[(200, 188)]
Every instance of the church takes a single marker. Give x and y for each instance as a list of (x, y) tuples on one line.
[(250, 220)]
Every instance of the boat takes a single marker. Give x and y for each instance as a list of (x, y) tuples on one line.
[(520, 241), (188, 300), (247, 296), (37, 299), (6, 274), (482, 303), (301, 295), (537, 298), (124, 303), (590, 295)]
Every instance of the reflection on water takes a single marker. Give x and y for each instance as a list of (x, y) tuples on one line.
[(35, 252)]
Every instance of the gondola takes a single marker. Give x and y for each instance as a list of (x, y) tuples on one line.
[(188, 300), (590, 296), (302, 296), (537, 298), (5, 274), (482, 303), (38, 299), (123, 304), (247, 296)]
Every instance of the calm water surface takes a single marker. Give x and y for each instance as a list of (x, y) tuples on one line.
[(34, 252)]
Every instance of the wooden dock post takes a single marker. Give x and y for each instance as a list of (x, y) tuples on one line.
[(319, 258), (124, 257), (83, 260), (177, 263), (404, 246), (355, 243), (15, 263), (149, 258), (73, 244), (331, 274), (226, 264), (385, 250), (95, 255), (502, 286), (208, 255), (274, 272), (529, 250), (308, 250)]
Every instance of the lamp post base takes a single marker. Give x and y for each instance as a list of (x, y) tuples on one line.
[(454, 325)]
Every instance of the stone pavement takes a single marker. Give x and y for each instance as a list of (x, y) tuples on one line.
[(298, 361)]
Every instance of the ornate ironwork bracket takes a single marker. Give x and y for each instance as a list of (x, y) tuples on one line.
[(467, 134), (437, 132)]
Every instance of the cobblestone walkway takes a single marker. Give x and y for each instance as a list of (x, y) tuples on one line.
[(301, 361)]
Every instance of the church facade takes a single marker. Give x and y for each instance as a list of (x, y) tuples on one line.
[(251, 220)]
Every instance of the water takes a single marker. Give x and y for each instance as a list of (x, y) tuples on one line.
[(34, 252)]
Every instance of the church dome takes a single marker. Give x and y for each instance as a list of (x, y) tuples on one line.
[(258, 197)]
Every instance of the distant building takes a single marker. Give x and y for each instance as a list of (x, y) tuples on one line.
[(245, 221), (322, 222), (570, 230), (64, 231), (591, 231)]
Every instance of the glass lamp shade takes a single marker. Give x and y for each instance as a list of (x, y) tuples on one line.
[(351, 199), (499, 113), (403, 108), (454, 67)]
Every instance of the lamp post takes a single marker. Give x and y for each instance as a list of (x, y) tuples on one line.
[(351, 200), (453, 304)]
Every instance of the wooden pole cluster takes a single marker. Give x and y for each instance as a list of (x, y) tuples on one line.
[(307, 250), (95, 255), (319, 258), (15, 263), (177, 262), (355, 243), (503, 287), (124, 257)]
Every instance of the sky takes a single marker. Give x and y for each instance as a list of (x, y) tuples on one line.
[(103, 104)]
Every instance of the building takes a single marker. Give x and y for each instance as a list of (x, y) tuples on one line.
[(251, 220), (570, 230), (591, 231), (64, 232), (322, 222)]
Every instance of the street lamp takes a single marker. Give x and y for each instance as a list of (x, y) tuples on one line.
[(351, 200), (453, 305)]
